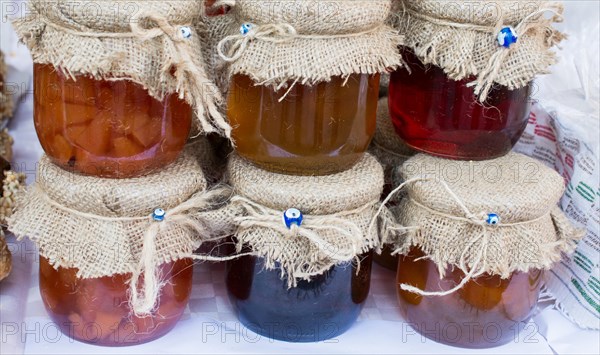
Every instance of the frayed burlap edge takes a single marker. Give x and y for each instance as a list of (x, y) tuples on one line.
[(537, 244), (108, 246), (300, 253), (462, 52), (159, 59), (283, 62)]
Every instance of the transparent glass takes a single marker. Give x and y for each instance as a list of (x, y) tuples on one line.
[(97, 311), (111, 129), (488, 311), (315, 130), (315, 310), (442, 117)]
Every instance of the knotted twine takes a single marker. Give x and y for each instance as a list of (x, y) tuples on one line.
[(162, 57), (309, 46), (113, 231), (334, 229), (467, 240), (463, 44)]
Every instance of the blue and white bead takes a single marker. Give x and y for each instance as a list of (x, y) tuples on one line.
[(492, 219), (245, 28), (507, 37), (159, 215), (292, 216), (185, 32)]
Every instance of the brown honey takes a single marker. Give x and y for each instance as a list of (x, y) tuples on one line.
[(302, 129)]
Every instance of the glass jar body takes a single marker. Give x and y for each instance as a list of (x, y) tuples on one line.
[(442, 117), (313, 311), (97, 311), (111, 129), (310, 130), (488, 311)]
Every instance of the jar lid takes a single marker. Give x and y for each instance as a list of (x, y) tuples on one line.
[(123, 197), (316, 195), (514, 187), (271, 41), (311, 17)]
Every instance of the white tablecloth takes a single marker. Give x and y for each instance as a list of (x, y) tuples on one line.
[(209, 325)]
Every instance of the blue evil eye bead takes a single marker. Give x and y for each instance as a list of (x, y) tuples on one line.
[(507, 37), (159, 215), (245, 29), (185, 31), (292, 216), (492, 219)]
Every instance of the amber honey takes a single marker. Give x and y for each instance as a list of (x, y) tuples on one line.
[(111, 129), (488, 311), (97, 311), (302, 129)]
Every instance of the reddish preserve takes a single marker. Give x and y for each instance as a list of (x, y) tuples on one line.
[(442, 117), (488, 311), (111, 129), (97, 311)]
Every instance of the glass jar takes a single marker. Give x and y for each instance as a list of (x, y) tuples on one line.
[(442, 117), (313, 311), (111, 129), (97, 311), (488, 311), (310, 130), (386, 259)]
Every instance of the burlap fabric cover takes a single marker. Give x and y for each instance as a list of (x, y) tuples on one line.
[(308, 41), (337, 210), (461, 38), (6, 105), (98, 225), (212, 30), (387, 146), (152, 43), (452, 230)]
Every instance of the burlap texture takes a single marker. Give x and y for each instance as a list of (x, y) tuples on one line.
[(389, 148), (532, 232), (6, 143), (461, 38), (338, 210), (141, 41), (309, 41), (98, 225), (212, 30), (6, 104)]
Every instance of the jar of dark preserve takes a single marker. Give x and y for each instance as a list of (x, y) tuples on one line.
[(316, 310), (440, 116)]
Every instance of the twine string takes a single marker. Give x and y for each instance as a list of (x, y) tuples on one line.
[(190, 82), (480, 241), (273, 33)]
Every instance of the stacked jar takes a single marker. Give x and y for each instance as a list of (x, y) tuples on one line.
[(478, 235), (304, 83), (117, 207)]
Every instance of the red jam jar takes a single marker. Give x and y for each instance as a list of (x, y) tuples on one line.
[(306, 130), (96, 311), (443, 117), (107, 128), (488, 311)]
